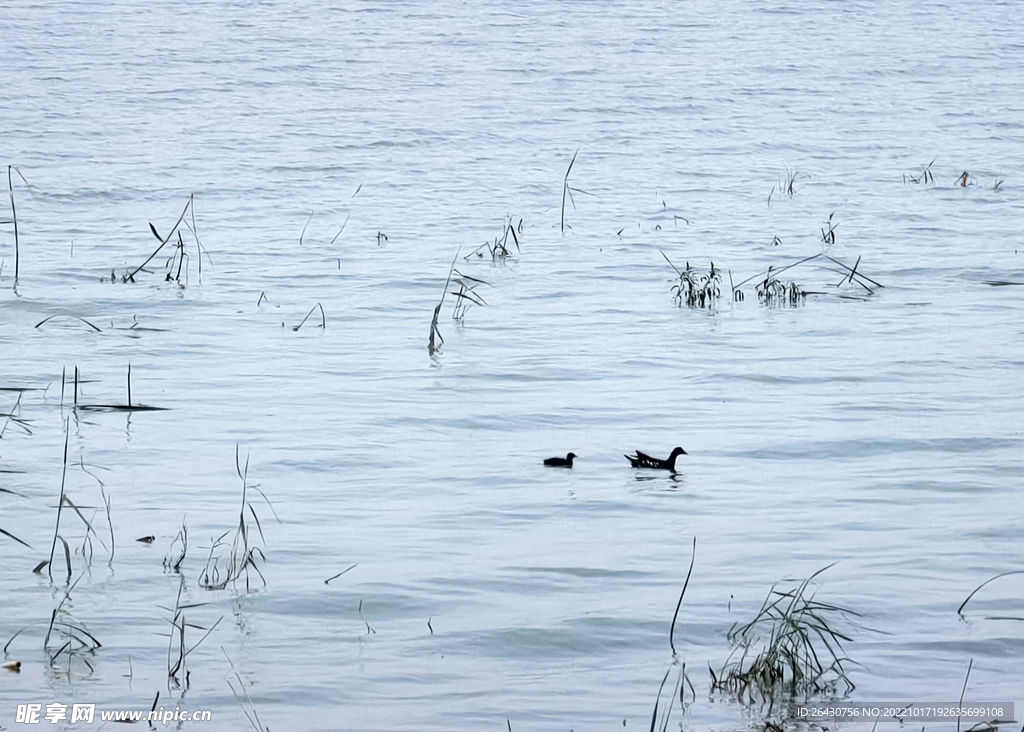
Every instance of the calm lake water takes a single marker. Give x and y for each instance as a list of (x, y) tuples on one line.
[(342, 157)]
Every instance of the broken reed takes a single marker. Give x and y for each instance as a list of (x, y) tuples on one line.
[(175, 263), (318, 306), (960, 610), (924, 176), (129, 407), (499, 249), (177, 647), (78, 643), (773, 291), (566, 191), (242, 696), (436, 340), (466, 296), (178, 550)]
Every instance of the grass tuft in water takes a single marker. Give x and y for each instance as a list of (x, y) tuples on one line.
[(791, 648), (785, 187)]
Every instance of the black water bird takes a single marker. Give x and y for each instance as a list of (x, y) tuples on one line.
[(641, 460), (565, 462)]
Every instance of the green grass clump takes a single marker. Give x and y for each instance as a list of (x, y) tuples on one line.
[(791, 648)]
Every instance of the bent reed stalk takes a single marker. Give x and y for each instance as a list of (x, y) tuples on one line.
[(130, 276)]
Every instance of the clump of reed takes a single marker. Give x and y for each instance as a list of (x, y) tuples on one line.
[(787, 186), (176, 263), (696, 288), (68, 644), (229, 561), (792, 647), (772, 292)]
